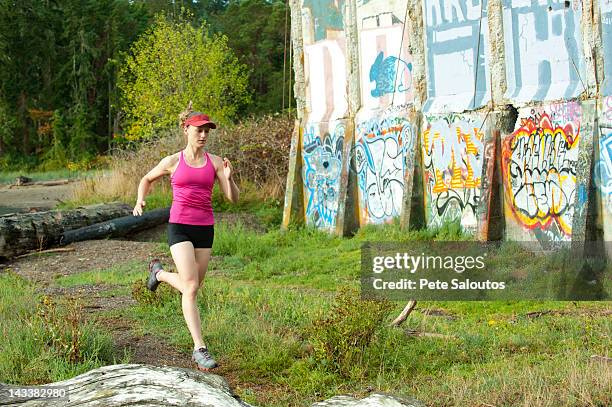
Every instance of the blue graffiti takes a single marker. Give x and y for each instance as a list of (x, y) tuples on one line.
[(386, 72), (322, 168), (602, 174), (380, 160), (456, 51), (543, 45)]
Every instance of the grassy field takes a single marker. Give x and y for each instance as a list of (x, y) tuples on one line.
[(43, 340), (281, 312)]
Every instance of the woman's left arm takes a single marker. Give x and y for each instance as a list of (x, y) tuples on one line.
[(226, 181)]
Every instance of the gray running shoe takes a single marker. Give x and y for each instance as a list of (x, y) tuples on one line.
[(203, 359), (152, 281)]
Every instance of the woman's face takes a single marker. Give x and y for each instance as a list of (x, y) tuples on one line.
[(197, 136)]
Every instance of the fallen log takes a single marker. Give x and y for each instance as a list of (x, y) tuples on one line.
[(117, 227), (23, 232)]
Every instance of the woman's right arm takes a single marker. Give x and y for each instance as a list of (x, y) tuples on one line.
[(164, 167)]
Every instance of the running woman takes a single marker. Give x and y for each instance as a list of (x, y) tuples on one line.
[(191, 226)]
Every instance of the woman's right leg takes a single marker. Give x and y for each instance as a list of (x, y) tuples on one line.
[(187, 282)]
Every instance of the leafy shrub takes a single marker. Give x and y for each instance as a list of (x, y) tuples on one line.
[(340, 338)]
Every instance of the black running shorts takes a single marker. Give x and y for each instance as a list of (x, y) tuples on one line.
[(201, 236)]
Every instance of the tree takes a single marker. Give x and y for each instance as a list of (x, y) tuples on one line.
[(61, 55), (256, 32), (173, 63)]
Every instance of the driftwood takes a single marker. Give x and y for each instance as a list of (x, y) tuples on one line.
[(123, 385), (23, 232), (56, 250), (27, 182), (404, 314), (117, 227)]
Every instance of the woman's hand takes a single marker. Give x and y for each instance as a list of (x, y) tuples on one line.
[(138, 208), (227, 168)]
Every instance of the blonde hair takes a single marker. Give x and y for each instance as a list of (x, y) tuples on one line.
[(185, 114)]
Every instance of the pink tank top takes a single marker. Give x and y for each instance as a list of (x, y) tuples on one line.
[(192, 193)]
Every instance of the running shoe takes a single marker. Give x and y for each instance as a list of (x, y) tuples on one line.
[(152, 281), (203, 359)]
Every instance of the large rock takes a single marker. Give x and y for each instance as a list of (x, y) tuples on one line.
[(123, 385), (373, 400)]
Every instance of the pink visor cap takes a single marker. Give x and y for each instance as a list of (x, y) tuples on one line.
[(200, 119)]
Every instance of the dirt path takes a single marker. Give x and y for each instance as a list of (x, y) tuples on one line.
[(94, 255), (23, 198), (99, 255)]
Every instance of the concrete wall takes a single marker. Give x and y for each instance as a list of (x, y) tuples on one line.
[(469, 105)]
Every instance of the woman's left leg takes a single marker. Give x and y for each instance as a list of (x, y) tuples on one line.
[(202, 257)]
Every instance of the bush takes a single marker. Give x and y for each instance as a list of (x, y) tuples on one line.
[(173, 63), (340, 339), (258, 149)]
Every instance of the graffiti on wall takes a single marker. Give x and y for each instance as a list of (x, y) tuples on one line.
[(321, 174), (383, 151), (539, 170), (324, 60), (603, 166), (385, 63), (390, 75), (456, 47), (544, 58), (322, 18), (607, 109), (453, 147)]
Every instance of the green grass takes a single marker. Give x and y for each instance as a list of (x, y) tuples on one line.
[(123, 274), (261, 301), (8, 177), (45, 341), (268, 299)]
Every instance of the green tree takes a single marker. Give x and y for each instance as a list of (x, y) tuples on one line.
[(173, 63), (256, 32)]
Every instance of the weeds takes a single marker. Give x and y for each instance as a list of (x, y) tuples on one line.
[(341, 337), (45, 341), (163, 295)]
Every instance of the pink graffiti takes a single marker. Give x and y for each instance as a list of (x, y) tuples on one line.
[(566, 112), (608, 108)]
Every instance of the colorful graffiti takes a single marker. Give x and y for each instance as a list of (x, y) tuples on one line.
[(383, 152), (389, 74), (539, 173), (322, 167), (385, 61), (602, 175), (544, 57), (453, 147), (457, 67)]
